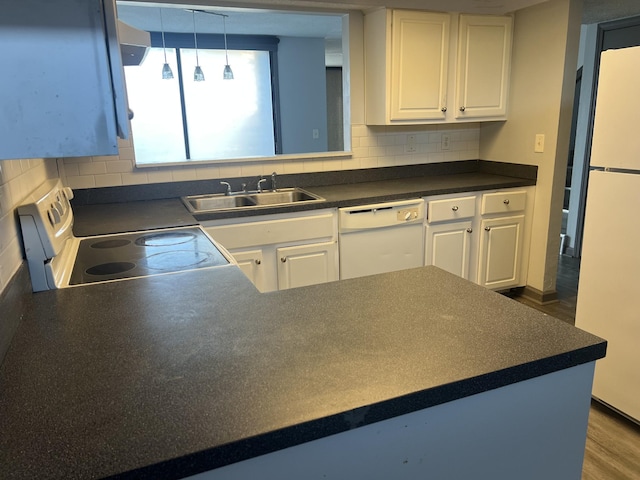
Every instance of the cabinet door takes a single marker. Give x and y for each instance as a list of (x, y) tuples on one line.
[(251, 262), (307, 264), (58, 78), (448, 246), (500, 252), (419, 63), (484, 62)]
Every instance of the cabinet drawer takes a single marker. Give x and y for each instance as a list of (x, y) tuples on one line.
[(451, 209), (268, 232), (503, 202)]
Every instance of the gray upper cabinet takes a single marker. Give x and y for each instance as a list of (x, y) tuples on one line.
[(63, 90)]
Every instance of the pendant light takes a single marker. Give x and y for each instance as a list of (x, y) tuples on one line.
[(167, 74), (228, 73), (198, 75)]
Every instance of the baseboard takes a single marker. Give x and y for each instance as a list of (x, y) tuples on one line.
[(542, 298)]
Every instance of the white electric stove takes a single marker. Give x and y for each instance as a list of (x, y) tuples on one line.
[(58, 259)]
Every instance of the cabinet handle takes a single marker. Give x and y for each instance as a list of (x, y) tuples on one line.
[(444, 109), (462, 109), (469, 230), (258, 261), (283, 259), (486, 229), (506, 202), (454, 208)]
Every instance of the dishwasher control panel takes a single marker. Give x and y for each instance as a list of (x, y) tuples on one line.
[(407, 214), (380, 215)]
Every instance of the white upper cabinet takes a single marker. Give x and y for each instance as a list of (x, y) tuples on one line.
[(63, 88), (419, 88), (484, 53), (423, 67)]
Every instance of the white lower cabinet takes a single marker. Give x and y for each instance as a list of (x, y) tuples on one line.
[(251, 263), (483, 236), (450, 234), (448, 246), (501, 252), (303, 265), (282, 251)]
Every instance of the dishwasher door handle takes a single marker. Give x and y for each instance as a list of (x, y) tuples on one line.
[(368, 210)]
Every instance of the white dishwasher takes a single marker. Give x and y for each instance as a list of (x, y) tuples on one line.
[(381, 238)]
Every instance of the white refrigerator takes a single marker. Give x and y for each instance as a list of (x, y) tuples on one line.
[(609, 287)]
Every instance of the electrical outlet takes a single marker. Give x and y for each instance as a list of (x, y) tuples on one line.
[(410, 147), (445, 143), (316, 133), (539, 145)]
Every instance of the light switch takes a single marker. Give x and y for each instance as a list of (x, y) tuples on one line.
[(539, 145)]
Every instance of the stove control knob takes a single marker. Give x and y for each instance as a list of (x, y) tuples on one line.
[(54, 216), (59, 207), (68, 193)]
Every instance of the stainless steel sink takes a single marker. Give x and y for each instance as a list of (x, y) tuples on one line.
[(216, 202), (283, 196)]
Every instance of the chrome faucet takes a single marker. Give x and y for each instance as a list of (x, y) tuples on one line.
[(228, 192), (260, 182), (273, 182)]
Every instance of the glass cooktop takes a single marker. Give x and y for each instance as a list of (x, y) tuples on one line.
[(142, 254)]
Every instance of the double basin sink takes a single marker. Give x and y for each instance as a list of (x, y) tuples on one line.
[(216, 202)]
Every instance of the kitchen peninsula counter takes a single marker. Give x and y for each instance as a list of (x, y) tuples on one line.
[(168, 376)]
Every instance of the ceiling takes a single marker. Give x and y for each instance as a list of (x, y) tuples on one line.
[(309, 23), (596, 11)]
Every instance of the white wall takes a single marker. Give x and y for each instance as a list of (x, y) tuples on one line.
[(545, 50), (303, 93), (18, 178), (371, 146)]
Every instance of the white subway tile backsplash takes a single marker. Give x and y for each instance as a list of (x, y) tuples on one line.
[(208, 172), (134, 178), (119, 166), (184, 174), (371, 146), (18, 180), (81, 181), (108, 180), (92, 168), (159, 176)]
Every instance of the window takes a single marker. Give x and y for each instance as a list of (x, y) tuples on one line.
[(288, 108), (180, 120)]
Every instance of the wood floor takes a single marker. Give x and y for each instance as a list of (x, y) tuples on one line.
[(613, 442)]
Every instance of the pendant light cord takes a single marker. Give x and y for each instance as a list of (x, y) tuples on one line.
[(195, 36), (164, 47), (224, 29)]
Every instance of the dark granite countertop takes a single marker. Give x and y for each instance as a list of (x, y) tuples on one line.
[(124, 217), (351, 194), (166, 376), (338, 188)]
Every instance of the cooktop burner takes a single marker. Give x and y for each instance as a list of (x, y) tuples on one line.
[(140, 254)]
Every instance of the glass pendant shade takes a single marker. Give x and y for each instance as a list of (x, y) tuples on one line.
[(228, 73), (167, 74), (198, 75)]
